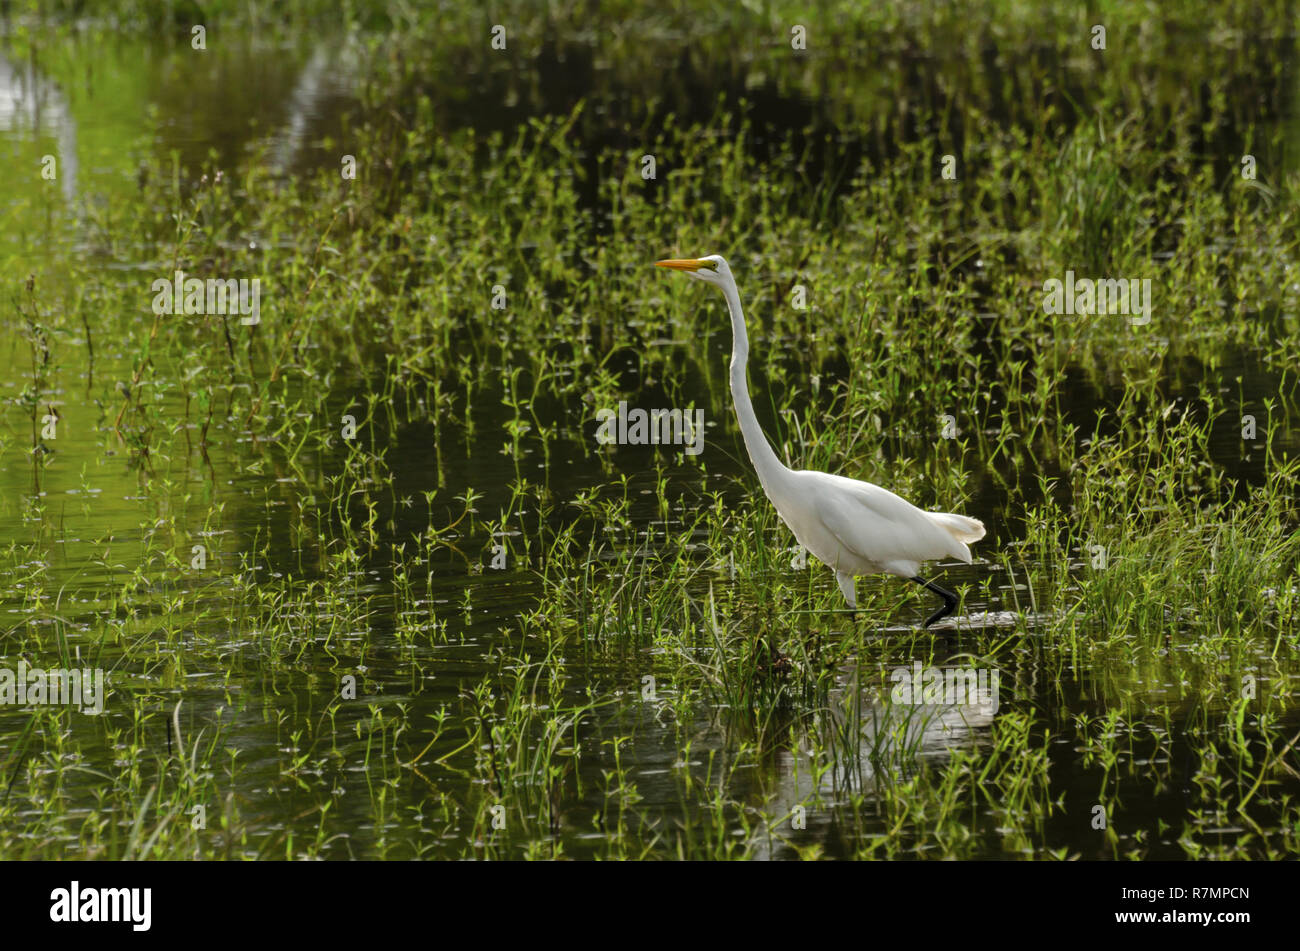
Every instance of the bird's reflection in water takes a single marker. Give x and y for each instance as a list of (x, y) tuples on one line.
[(869, 738)]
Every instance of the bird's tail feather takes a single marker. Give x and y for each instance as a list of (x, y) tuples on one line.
[(958, 526)]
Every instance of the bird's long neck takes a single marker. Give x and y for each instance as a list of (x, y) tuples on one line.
[(766, 464)]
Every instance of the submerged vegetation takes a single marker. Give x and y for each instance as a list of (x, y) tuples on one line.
[(364, 582)]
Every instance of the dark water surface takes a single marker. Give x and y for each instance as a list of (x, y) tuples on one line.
[(280, 104)]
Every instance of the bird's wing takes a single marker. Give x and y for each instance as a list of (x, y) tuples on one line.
[(876, 525)]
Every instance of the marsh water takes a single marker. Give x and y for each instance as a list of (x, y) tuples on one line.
[(288, 107)]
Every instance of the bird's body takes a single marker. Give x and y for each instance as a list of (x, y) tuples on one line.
[(855, 527), (861, 529)]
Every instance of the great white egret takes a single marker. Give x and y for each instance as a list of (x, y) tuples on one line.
[(854, 527)]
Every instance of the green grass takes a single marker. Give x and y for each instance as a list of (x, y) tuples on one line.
[(350, 675)]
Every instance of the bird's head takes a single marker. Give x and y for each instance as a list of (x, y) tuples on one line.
[(712, 269)]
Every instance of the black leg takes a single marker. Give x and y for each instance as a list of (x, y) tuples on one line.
[(949, 600)]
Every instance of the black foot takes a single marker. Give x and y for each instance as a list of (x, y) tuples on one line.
[(949, 600)]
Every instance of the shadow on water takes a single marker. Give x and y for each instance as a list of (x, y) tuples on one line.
[(286, 105)]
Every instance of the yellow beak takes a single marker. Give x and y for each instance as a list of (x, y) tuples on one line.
[(686, 264)]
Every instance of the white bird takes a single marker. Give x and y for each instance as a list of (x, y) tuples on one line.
[(854, 527)]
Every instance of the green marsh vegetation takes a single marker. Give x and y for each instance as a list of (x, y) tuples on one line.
[(455, 625)]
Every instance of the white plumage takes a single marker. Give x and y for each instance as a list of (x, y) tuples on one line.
[(854, 527)]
